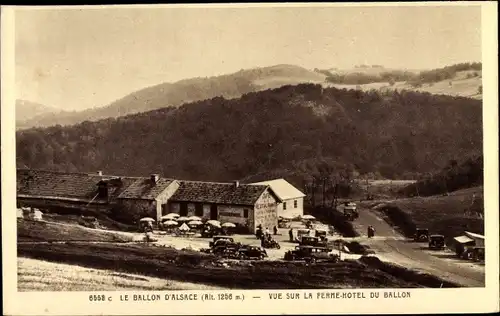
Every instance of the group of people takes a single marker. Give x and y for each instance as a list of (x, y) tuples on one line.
[(266, 234)]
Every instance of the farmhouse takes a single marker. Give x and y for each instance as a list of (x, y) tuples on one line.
[(133, 197), (241, 204), (292, 204)]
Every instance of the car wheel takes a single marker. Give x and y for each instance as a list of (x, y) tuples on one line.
[(278, 247)]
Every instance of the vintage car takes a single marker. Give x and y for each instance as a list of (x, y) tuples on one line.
[(313, 241), (351, 213), (321, 234), (301, 233), (251, 252), (436, 242), (421, 235), (222, 239), (311, 254), (478, 254)]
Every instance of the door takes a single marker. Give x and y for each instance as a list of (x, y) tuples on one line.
[(213, 211), (183, 209)]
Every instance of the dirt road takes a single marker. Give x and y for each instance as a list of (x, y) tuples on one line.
[(390, 246)]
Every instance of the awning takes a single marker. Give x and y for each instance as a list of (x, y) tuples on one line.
[(463, 239), (474, 235)]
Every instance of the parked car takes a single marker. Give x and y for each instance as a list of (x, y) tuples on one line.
[(436, 242), (321, 234), (311, 254), (478, 254), (251, 252), (421, 235), (224, 239), (313, 241), (301, 233)]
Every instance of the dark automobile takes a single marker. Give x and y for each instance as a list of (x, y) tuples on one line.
[(311, 254), (321, 234), (312, 241), (351, 213), (421, 235), (478, 254), (251, 252), (436, 242), (224, 239)]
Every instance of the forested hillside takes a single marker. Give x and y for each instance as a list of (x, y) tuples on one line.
[(288, 131), (456, 175)]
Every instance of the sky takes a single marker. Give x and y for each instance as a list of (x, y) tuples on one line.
[(75, 59)]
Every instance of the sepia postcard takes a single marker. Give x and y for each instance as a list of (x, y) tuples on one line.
[(298, 158)]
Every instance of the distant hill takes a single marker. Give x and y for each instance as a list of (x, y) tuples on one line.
[(185, 91), (292, 132), (27, 110)]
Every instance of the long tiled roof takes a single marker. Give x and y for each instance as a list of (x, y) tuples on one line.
[(83, 187), (144, 188), (220, 193)]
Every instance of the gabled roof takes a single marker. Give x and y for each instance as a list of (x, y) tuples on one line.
[(283, 189), (83, 187), (144, 188), (64, 185), (219, 193)]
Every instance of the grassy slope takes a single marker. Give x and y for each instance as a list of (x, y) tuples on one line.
[(39, 275), (440, 214), (191, 266), (46, 231), (461, 86)]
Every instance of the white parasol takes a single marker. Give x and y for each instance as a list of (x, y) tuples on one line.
[(184, 227), (170, 223), (227, 225), (195, 223), (194, 218), (213, 222), (308, 217), (170, 216), (147, 219), (182, 219), (286, 217)]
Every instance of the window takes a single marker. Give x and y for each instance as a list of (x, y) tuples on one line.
[(295, 204), (245, 213), (198, 210), (284, 205)]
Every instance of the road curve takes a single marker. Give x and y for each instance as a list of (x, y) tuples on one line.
[(391, 246)]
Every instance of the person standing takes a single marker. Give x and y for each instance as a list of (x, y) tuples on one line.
[(290, 234), (275, 230)]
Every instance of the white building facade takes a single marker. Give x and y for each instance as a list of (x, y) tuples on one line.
[(292, 204)]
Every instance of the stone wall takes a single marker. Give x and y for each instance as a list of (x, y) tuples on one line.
[(134, 209)]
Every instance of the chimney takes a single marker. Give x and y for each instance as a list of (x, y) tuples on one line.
[(236, 184), (99, 173), (154, 178)]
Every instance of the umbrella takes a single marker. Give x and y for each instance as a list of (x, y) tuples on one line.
[(308, 217), (170, 223), (182, 219), (194, 223), (170, 216), (184, 227), (146, 219), (228, 225), (286, 217), (213, 222), (194, 218)]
